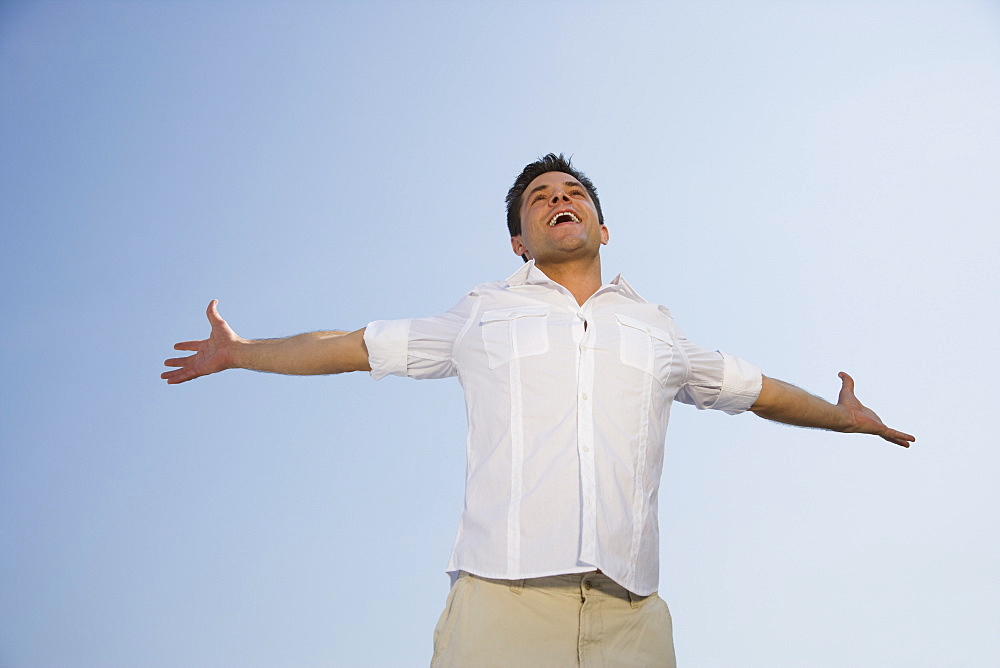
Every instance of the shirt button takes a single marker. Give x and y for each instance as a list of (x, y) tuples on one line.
[(586, 449), (587, 585), (585, 396)]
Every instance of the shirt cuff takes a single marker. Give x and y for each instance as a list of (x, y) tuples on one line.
[(741, 383), (387, 342)]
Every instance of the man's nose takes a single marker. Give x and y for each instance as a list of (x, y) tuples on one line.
[(558, 196)]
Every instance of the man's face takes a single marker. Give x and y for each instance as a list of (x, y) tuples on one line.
[(558, 221)]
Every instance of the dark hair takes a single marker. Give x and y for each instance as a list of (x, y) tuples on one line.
[(549, 163)]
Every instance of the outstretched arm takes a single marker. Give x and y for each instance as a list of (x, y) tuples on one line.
[(786, 403), (305, 354)]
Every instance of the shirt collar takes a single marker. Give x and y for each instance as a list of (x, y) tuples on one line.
[(625, 289), (529, 274)]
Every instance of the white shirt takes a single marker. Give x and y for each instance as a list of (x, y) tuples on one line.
[(567, 408)]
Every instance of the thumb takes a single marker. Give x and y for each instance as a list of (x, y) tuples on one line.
[(847, 390), (213, 312)]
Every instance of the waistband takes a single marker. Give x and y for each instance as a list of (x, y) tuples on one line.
[(569, 584)]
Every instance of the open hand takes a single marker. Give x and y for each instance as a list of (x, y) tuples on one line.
[(212, 355), (864, 420)]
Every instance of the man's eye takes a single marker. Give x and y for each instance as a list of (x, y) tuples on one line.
[(538, 198)]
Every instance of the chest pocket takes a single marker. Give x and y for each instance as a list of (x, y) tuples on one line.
[(512, 333), (645, 347)]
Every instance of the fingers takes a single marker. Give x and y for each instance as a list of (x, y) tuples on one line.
[(898, 437), (178, 376), (174, 376), (181, 375), (898, 441), (186, 371), (902, 435), (213, 317)]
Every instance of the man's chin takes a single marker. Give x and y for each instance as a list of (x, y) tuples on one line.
[(567, 252)]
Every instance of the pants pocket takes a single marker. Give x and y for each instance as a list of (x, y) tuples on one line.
[(446, 622)]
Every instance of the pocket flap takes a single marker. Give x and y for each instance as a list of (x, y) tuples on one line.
[(502, 314), (654, 332)]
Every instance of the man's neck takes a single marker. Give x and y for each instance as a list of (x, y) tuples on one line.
[(581, 277)]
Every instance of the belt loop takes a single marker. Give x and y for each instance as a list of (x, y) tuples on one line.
[(634, 599), (516, 586)]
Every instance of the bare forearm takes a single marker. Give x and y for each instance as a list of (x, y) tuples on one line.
[(786, 403), (781, 402), (305, 354)]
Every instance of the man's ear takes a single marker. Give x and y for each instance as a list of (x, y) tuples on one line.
[(605, 235), (518, 245)]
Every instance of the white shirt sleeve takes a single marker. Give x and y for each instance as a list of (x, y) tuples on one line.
[(741, 383), (717, 380), (418, 347)]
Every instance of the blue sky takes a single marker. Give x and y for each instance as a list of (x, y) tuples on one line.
[(809, 185)]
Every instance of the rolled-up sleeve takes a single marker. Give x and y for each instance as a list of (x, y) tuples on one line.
[(417, 347), (718, 381), (387, 342), (741, 383)]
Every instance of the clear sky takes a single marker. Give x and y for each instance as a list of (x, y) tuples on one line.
[(810, 185)]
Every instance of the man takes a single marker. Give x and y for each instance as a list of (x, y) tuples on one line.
[(568, 384)]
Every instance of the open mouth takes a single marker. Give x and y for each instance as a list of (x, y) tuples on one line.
[(563, 217)]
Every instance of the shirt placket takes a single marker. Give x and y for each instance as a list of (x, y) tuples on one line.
[(583, 336)]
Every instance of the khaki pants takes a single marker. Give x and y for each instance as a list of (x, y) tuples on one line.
[(585, 619)]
